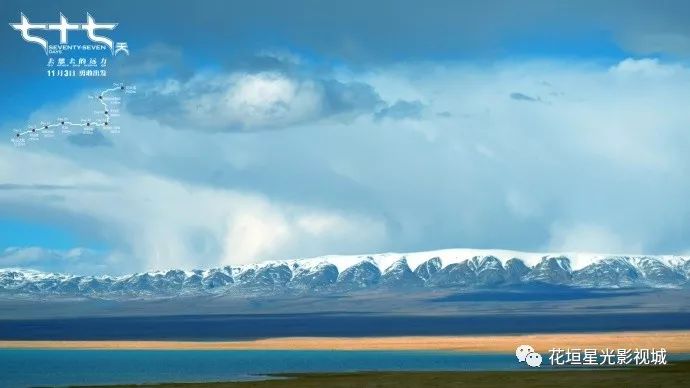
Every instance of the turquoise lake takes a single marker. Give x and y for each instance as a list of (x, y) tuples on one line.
[(30, 368), (21, 368)]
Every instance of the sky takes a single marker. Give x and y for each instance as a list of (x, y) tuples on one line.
[(271, 129)]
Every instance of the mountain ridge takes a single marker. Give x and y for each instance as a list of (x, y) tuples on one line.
[(460, 268)]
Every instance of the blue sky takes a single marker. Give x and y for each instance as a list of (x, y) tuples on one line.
[(271, 129)]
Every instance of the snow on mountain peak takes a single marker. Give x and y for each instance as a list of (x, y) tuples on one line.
[(440, 268), (458, 255)]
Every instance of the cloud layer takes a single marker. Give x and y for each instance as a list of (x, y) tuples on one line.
[(244, 102), (600, 163)]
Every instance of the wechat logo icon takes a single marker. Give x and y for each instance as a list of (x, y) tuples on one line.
[(526, 354)]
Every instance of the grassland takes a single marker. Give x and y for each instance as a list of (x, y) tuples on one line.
[(672, 375)]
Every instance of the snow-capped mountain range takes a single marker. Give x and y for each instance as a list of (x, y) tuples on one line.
[(459, 268)]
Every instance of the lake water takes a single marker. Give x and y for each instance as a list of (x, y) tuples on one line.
[(239, 327), (21, 368), (30, 368)]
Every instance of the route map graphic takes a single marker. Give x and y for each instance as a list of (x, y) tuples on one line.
[(110, 101)]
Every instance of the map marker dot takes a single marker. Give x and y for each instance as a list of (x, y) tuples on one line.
[(62, 123), (122, 87), (100, 97), (45, 127), (33, 129), (17, 135), (106, 112), (88, 124)]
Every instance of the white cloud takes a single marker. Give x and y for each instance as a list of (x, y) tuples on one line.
[(589, 238), (159, 223), (257, 100), (250, 101), (599, 165)]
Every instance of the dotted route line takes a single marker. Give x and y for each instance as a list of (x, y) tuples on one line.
[(91, 124)]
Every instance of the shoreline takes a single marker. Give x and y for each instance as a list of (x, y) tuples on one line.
[(677, 341)]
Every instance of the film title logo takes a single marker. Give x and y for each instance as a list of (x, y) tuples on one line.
[(82, 50), (37, 33)]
